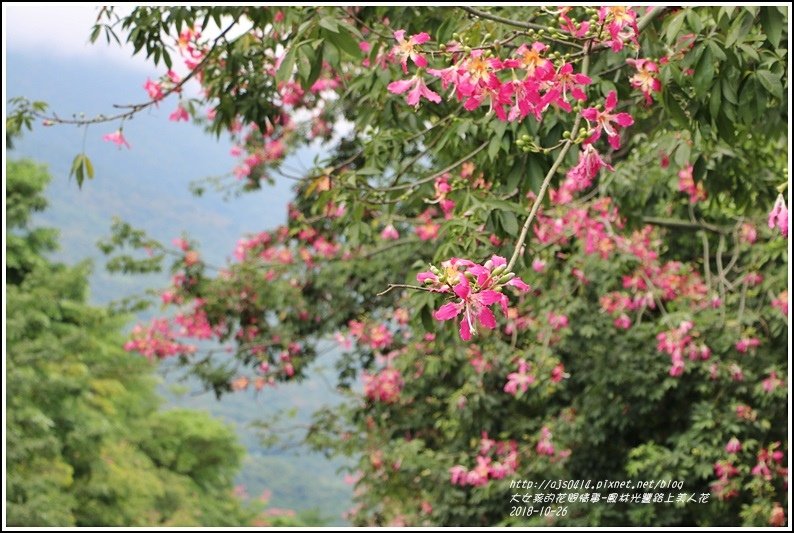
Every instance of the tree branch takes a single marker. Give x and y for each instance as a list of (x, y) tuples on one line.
[(683, 224), (136, 108)]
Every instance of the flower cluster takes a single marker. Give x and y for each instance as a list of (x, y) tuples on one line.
[(521, 380), (376, 336), (645, 79), (679, 342), (495, 460), (384, 386), (477, 287), (534, 83), (686, 183), (156, 340)]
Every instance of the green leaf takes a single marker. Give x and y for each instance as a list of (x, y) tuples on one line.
[(719, 54), (770, 82), (674, 28), (509, 222), (89, 167), (493, 147), (346, 43), (715, 100), (77, 169), (772, 23), (287, 64), (704, 73), (693, 19), (329, 24)]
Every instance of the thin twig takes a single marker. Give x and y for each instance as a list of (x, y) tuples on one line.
[(434, 175), (137, 108), (706, 259), (404, 286), (683, 224)]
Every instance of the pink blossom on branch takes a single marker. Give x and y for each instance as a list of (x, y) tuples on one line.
[(416, 90), (406, 49), (117, 138), (520, 380), (778, 217), (153, 89), (686, 183), (621, 23), (645, 79), (477, 288), (389, 233), (179, 114), (606, 121)]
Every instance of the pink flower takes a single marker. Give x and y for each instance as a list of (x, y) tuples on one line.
[(604, 120), (474, 307), (181, 243), (578, 30), (645, 78), (389, 233), (418, 90), (545, 446), (520, 380), (778, 217), (686, 183), (589, 165), (743, 345), (781, 302), (557, 322), (538, 265), (558, 373), (180, 113), (427, 231), (623, 321), (457, 475), (154, 89), (564, 82), (117, 137), (529, 58), (406, 49), (748, 233), (733, 446), (384, 386), (621, 23), (771, 382)]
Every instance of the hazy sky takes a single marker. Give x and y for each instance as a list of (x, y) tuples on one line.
[(61, 31)]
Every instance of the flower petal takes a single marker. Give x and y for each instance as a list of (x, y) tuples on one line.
[(489, 297), (519, 284), (465, 332), (448, 311), (486, 318)]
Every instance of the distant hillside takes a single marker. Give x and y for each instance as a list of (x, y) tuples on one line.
[(148, 187)]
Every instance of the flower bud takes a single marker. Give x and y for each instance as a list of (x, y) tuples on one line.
[(507, 277), (498, 270)]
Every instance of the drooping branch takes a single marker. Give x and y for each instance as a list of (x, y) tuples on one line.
[(133, 109)]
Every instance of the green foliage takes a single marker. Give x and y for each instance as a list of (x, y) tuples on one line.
[(86, 444)]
